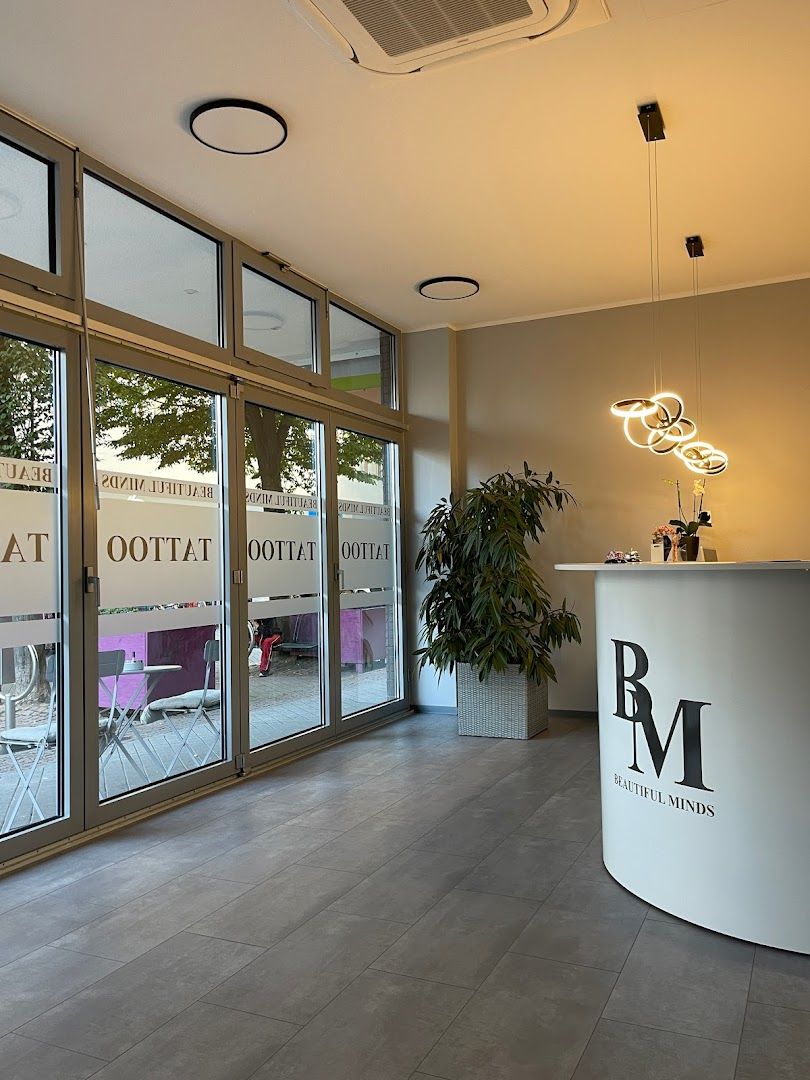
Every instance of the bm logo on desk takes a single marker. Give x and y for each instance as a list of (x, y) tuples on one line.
[(630, 686)]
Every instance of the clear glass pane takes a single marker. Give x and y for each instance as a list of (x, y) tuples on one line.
[(31, 728), (368, 527), (160, 693), (361, 357), (144, 262), (277, 321), (285, 590), (25, 207)]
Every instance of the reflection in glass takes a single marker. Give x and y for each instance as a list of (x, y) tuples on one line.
[(370, 651), (160, 696), (31, 715), (361, 357), (148, 264), (277, 321), (285, 591), (25, 207)]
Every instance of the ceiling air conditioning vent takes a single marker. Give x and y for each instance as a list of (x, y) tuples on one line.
[(402, 36)]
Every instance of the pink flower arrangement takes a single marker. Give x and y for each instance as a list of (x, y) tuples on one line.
[(661, 532)]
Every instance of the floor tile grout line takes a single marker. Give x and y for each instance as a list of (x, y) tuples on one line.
[(745, 1011), (602, 1016), (210, 1004), (103, 1063), (774, 1005), (669, 1031), (450, 1023), (567, 963)]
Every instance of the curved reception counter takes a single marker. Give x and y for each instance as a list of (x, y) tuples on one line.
[(704, 735)]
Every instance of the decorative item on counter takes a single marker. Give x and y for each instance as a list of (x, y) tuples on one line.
[(687, 539), (661, 543), (632, 556), (614, 556)]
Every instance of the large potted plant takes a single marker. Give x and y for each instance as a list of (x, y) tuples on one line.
[(487, 614)]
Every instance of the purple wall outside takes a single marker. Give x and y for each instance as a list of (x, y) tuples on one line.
[(355, 625), (182, 646)]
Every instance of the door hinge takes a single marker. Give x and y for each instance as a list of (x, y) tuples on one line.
[(238, 577), (235, 389), (241, 764)]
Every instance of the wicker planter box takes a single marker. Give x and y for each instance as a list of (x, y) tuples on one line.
[(505, 706)]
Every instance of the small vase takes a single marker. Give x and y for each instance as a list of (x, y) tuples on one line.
[(691, 546), (667, 549), (675, 549)]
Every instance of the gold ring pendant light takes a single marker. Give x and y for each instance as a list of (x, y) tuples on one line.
[(657, 423)]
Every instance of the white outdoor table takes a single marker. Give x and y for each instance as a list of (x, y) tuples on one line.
[(704, 735)]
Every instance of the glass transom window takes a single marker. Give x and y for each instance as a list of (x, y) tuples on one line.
[(26, 201), (362, 357), (144, 262), (277, 321)]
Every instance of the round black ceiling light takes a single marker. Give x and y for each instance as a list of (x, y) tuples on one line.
[(448, 288), (236, 126)]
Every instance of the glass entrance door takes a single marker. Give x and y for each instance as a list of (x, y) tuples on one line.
[(286, 612), (370, 658), (34, 746), (157, 688)]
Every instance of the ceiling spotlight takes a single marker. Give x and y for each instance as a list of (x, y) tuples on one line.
[(10, 205), (448, 288), (235, 126)]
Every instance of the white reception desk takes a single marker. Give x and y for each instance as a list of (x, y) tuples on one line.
[(704, 735)]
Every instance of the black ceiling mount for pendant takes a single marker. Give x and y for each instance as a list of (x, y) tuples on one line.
[(694, 246), (652, 122)]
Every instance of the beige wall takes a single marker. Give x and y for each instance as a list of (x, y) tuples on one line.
[(431, 448), (540, 390)]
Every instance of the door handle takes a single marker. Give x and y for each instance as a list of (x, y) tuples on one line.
[(92, 583)]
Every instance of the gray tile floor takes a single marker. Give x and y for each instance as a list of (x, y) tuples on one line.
[(287, 703), (405, 905)]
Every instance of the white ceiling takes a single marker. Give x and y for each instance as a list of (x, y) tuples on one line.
[(526, 170)]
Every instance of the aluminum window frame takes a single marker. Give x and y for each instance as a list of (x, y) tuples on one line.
[(394, 706), (151, 331), (68, 429), (162, 792), (326, 732), (279, 273), (59, 283), (383, 412)]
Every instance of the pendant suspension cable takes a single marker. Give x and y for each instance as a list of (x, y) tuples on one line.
[(698, 358), (659, 352), (653, 328)]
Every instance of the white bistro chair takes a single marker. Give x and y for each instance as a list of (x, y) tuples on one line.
[(196, 704), (37, 738), (111, 717)]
